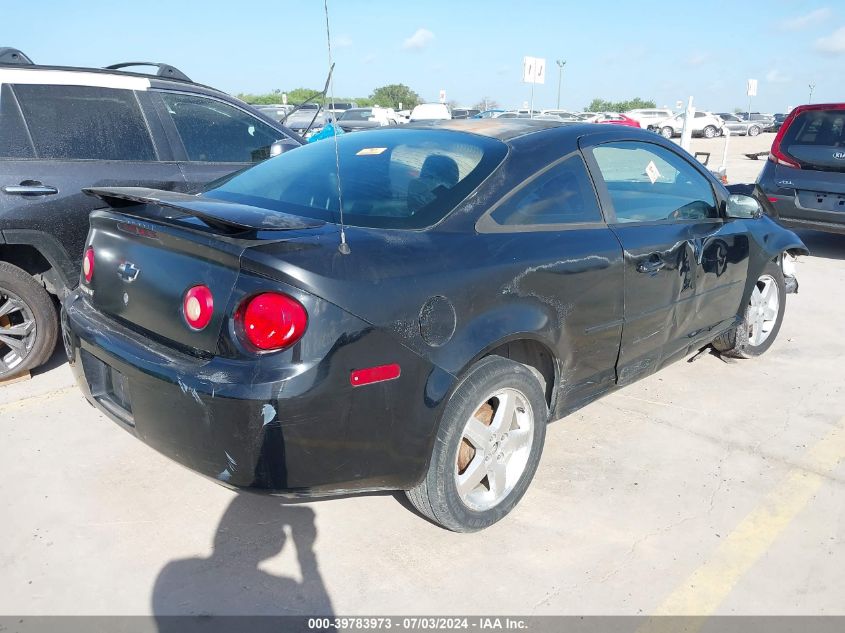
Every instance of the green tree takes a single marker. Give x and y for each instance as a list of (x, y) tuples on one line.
[(394, 94), (600, 105)]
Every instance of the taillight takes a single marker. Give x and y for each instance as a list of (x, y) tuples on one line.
[(776, 154), (272, 320), (88, 265), (198, 307)]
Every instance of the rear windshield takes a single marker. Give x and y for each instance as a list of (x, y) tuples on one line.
[(389, 178), (816, 139)]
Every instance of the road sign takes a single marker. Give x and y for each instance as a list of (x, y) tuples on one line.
[(284, 98), (679, 104), (752, 88), (533, 70), (442, 96)]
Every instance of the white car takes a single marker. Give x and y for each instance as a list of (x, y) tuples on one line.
[(648, 116), (704, 124), (430, 112)]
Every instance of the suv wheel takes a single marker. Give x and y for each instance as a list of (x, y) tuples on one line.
[(667, 132), (28, 323), (487, 448), (710, 132)]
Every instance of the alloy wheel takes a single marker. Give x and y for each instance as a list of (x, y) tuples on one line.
[(763, 310), (17, 331), (494, 449)]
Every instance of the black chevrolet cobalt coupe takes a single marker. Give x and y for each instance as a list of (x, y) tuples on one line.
[(407, 308)]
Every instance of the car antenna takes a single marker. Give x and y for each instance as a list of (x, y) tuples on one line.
[(344, 246)]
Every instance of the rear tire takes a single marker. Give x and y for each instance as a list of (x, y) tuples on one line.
[(667, 132), (487, 447), (753, 130), (28, 322), (709, 132), (762, 318)]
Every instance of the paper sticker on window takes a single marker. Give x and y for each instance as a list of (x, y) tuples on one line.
[(652, 172), (371, 151)]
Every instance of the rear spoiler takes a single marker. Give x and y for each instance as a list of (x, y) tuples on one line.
[(220, 214)]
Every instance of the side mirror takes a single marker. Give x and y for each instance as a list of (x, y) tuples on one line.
[(281, 146), (743, 207)]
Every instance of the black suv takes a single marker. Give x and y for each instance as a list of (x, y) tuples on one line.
[(803, 182), (62, 129)]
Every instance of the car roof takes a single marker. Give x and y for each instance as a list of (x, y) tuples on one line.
[(98, 77), (502, 129)]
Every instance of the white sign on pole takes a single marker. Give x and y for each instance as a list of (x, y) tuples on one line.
[(284, 98), (679, 104), (442, 96), (752, 87), (533, 70)]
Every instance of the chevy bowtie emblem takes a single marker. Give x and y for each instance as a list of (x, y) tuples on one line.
[(128, 272)]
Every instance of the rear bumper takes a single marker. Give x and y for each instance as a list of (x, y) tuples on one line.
[(814, 225), (295, 428)]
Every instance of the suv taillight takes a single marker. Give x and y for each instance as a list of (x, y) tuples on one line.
[(272, 321), (88, 265)]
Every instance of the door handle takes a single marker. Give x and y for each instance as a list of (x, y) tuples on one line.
[(651, 265), (30, 189)]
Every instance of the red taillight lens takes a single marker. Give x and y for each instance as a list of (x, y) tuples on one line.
[(88, 265), (198, 307), (273, 321)]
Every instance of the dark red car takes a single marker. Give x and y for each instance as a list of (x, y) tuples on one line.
[(614, 118)]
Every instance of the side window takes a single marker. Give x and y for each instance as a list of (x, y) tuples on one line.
[(562, 195), (216, 132), (650, 183), (83, 122), (13, 139)]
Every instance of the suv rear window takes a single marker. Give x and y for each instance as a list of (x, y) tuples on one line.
[(389, 178), (814, 137), (81, 122)]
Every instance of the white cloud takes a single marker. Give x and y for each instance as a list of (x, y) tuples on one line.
[(808, 19), (775, 76), (342, 41), (833, 44), (418, 40)]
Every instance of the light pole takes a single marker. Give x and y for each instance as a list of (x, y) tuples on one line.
[(812, 87), (560, 64)]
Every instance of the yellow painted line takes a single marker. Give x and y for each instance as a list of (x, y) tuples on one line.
[(33, 400), (705, 589)]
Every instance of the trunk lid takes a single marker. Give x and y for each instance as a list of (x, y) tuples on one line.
[(155, 246)]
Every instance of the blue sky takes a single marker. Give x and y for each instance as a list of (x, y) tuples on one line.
[(665, 51)]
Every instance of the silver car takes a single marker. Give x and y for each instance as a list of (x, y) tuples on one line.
[(740, 126)]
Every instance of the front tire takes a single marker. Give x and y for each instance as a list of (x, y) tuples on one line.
[(28, 322), (709, 132), (487, 448), (762, 319), (667, 132), (753, 130)]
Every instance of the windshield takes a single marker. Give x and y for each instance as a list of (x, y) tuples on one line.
[(390, 178)]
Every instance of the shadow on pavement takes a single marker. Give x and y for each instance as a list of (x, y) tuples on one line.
[(824, 245), (254, 528)]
